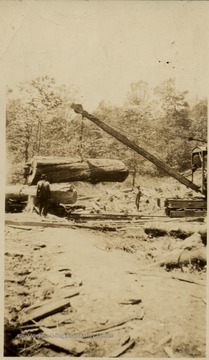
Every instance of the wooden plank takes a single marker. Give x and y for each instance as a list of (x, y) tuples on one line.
[(169, 352), (51, 301), (95, 227), (187, 213), (122, 349), (104, 216), (43, 223), (131, 302), (20, 227), (186, 203), (115, 324), (63, 341), (202, 283), (47, 309)]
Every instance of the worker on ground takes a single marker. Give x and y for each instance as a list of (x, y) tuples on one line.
[(43, 195), (138, 197)]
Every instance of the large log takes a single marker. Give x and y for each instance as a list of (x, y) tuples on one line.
[(20, 194), (15, 193), (15, 199), (66, 169)]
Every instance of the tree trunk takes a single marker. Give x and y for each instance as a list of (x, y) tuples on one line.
[(61, 170), (26, 195)]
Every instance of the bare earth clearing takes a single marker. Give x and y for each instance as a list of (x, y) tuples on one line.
[(143, 309)]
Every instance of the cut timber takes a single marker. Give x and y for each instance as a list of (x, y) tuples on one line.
[(15, 199), (47, 309), (20, 227), (39, 224), (188, 280), (61, 169), (96, 227), (59, 194), (26, 196), (114, 325), (15, 193), (122, 349), (47, 302), (64, 342), (197, 203), (173, 277), (103, 216), (187, 213), (169, 352)]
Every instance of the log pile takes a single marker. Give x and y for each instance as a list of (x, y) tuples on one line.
[(66, 169), (19, 197), (59, 171)]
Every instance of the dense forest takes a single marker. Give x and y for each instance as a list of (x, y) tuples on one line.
[(39, 121)]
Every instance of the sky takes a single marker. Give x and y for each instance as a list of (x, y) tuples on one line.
[(102, 47)]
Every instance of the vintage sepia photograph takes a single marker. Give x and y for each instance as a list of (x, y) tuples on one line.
[(104, 225)]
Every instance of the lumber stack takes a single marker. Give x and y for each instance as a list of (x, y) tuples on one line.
[(67, 169)]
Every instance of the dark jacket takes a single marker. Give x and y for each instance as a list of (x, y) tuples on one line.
[(43, 190)]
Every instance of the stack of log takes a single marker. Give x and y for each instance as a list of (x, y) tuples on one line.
[(18, 197), (61, 170)]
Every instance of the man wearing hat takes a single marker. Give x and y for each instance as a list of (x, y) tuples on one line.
[(43, 194)]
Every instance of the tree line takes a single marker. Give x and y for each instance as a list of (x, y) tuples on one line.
[(40, 121)]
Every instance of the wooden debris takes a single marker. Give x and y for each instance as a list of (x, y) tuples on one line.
[(122, 349), (95, 227), (114, 325), (200, 298), (39, 223), (54, 278), (26, 351), (168, 276), (45, 223), (164, 340), (47, 308), (125, 340), (20, 227), (188, 280), (127, 190), (34, 326), (38, 325), (103, 216), (64, 342), (169, 352), (52, 301), (131, 302)]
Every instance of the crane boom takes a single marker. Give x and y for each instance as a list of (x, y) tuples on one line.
[(132, 145)]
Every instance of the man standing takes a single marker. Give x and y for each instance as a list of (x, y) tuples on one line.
[(43, 194), (138, 197)]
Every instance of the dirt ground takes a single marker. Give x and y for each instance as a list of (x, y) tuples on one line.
[(119, 281)]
